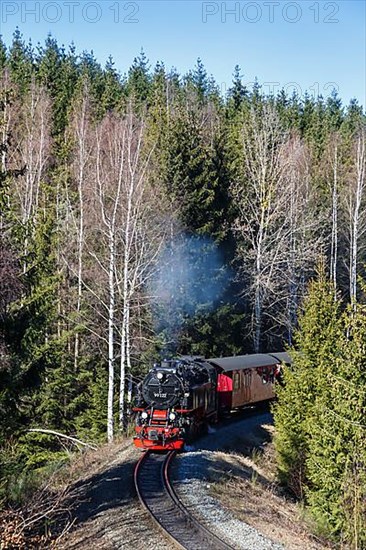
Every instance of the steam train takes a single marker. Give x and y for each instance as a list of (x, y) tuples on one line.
[(178, 398)]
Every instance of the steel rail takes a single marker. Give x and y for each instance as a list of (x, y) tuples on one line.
[(159, 498)]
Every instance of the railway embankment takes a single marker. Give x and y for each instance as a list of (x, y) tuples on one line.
[(226, 480), (229, 483)]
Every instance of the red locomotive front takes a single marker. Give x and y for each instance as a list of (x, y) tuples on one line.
[(175, 400), (157, 430)]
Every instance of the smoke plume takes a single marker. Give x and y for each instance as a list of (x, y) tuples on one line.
[(190, 279)]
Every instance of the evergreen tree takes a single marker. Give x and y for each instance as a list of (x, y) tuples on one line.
[(91, 418), (200, 80), (139, 79), (57, 72), (336, 463), (38, 309), (256, 94), (192, 176), (113, 92), (3, 54), (160, 105), (238, 92), (90, 69), (67, 82), (315, 343), (10, 291), (314, 124), (334, 112), (288, 109), (354, 116), (20, 62)]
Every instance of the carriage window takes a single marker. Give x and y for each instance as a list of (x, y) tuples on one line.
[(236, 381), (247, 378)]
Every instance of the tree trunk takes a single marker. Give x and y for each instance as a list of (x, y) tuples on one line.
[(110, 423), (125, 300), (356, 213), (334, 239), (81, 135)]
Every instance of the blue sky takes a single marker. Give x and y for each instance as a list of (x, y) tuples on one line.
[(307, 45)]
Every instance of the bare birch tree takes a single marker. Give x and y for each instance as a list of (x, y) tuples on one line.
[(110, 165), (278, 231), (5, 118), (127, 237), (303, 238), (334, 154), (261, 207), (5, 91), (31, 132), (135, 241), (81, 169), (357, 210)]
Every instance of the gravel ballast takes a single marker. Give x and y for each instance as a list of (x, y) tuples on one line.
[(192, 484)]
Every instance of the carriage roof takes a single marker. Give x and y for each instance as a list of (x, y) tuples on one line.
[(251, 361)]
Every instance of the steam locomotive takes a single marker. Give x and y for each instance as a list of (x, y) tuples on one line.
[(179, 398)]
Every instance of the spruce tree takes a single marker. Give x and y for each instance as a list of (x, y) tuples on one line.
[(20, 63), (139, 80), (57, 72), (191, 176), (334, 112), (238, 92), (336, 464), (3, 54), (112, 96), (314, 342)]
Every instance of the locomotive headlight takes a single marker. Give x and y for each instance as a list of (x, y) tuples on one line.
[(172, 416), (160, 376), (144, 415)]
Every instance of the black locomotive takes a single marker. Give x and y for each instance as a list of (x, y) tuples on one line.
[(174, 399)]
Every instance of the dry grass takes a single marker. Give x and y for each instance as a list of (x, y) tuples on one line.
[(40, 521), (46, 517), (91, 462), (250, 492)]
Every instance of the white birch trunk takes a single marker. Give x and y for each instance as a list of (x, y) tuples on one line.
[(258, 289), (5, 128), (122, 370), (355, 210), (271, 223), (81, 131), (292, 290), (334, 238), (125, 301), (111, 313), (4, 136)]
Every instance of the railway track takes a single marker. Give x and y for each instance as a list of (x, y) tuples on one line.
[(161, 501)]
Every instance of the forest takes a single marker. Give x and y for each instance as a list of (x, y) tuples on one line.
[(143, 215)]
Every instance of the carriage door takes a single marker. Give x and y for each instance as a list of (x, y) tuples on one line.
[(247, 382)]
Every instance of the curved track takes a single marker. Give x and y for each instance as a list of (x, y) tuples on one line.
[(159, 498)]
